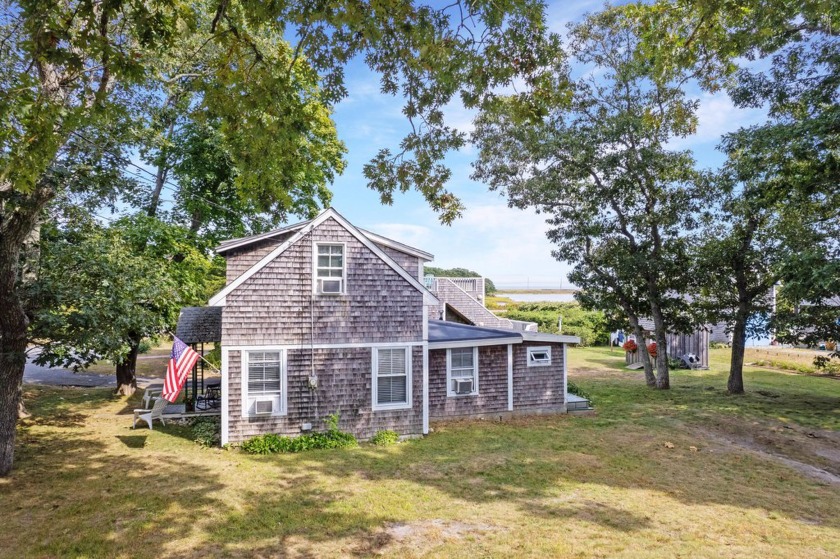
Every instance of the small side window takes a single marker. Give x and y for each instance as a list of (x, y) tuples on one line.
[(329, 269), (539, 356)]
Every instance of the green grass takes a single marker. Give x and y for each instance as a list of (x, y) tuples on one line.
[(622, 483)]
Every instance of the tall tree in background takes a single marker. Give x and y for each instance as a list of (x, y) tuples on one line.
[(785, 221), (105, 289), (620, 203), (64, 67)]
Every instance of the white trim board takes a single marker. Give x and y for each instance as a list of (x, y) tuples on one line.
[(475, 343), (359, 345), (219, 299), (545, 337), (225, 405)]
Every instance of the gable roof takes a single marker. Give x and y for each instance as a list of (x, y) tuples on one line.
[(231, 244), (199, 324), (301, 231)]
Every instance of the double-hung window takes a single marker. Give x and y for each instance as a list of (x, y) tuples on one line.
[(539, 356), (391, 378), (264, 383), (329, 269), (462, 371)]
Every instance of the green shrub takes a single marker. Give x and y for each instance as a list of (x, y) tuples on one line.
[(206, 431), (272, 443), (590, 326), (573, 388), (674, 363), (384, 438)]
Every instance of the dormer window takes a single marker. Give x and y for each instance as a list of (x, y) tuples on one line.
[(329, 269)]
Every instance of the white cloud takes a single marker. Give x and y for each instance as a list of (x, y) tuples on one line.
[(716, 116), (413, 235)]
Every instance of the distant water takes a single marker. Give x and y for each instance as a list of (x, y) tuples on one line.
[(541, 297)]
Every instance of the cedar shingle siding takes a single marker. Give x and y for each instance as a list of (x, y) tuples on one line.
[(344, 386), (276, 305), (492, 385), (538, 388)]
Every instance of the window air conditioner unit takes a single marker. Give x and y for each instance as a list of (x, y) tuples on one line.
[(329, 286), (264, 407), (463, 386)]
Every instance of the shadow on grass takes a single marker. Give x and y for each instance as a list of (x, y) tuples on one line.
[(133, 441), (72, 494)]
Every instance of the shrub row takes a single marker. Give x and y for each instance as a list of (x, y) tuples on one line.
[(272, 443), (590, 326)]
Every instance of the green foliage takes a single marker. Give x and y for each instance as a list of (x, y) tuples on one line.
[(272, 443), (385, 437), (102, 290), (206, 431), (674, 363), (489, 286), (590, 326), (573, 388)]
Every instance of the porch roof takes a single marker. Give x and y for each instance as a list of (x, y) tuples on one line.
[(453, 334), (199, 324)]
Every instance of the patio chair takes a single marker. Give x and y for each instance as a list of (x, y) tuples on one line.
[(150, 415), (152, 392)]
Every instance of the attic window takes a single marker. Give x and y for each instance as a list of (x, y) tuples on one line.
[(539, 356), (329, 269)]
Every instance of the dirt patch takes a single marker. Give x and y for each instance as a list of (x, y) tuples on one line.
[(814, 453), (422, 536)]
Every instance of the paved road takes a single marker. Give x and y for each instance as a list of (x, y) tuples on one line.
[(36, 374)]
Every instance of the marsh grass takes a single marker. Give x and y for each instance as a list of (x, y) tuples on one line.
[(623, 483)]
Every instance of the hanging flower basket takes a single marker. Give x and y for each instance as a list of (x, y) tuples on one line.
[(630, 346), (652, 349)]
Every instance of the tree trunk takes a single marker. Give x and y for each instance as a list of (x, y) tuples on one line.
[(663, 375), (650, 378), (735, 384), (13, 339), (127, 371)]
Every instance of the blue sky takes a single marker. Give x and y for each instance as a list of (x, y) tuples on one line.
[(507, 245)]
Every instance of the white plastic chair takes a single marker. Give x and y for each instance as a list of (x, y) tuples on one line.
[(150, 415), (152, 392)]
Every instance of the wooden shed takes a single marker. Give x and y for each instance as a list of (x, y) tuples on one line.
[(696, 343)]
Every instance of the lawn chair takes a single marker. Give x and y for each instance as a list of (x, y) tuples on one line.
[(152, 392), (150, 415)]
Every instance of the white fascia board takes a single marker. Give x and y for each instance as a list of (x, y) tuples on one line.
[(545, 337), (218, 300), (396, 245), (428, 296), (474, 343), (245, 241)]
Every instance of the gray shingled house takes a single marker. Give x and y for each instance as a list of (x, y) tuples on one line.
[(322, 317)]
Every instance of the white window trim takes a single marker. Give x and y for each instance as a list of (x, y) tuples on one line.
[(374, 356), (315, 245), (449, 391), (535, 349), (245, 398)]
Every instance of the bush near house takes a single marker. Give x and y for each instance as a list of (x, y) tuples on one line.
[(590, 326)]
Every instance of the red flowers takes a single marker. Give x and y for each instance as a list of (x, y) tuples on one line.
[(630, 346), (652, 349)]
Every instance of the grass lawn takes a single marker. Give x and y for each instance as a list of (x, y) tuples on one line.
[(690, 472)]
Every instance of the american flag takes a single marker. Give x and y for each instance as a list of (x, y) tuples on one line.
[(180, 364)]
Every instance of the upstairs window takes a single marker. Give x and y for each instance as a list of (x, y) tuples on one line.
[(462, 371), (539, 356), (329, 269)]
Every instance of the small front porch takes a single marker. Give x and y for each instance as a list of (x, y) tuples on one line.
[(179, 411)]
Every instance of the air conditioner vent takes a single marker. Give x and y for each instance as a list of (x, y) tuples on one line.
[(329, 286), (264, 407), (463, 386)]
